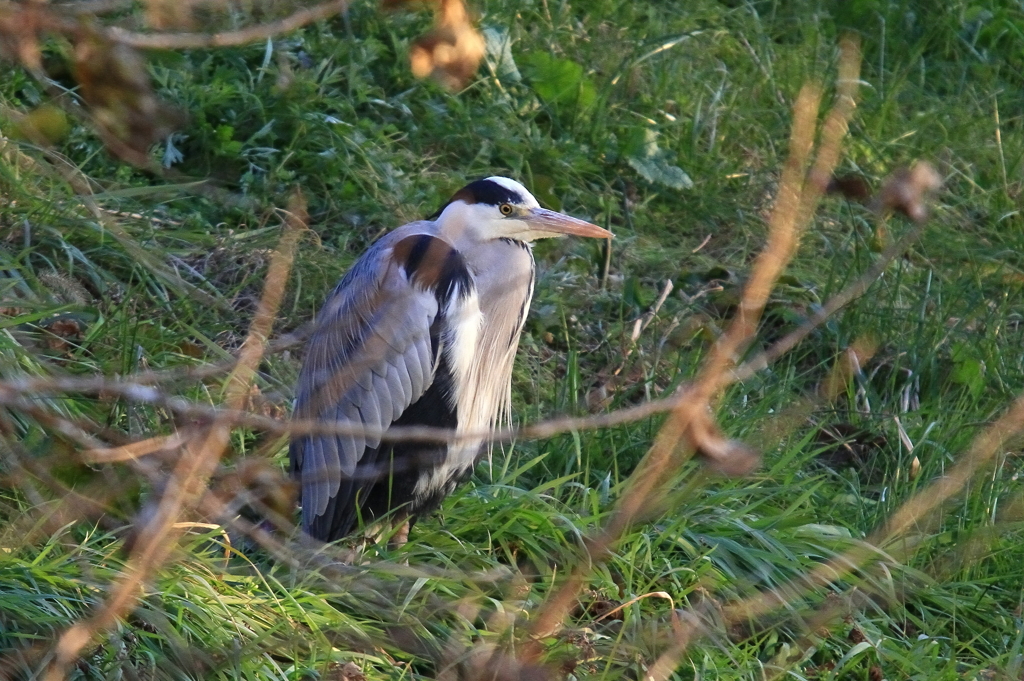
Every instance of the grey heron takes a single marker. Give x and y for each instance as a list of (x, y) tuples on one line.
[(422, 330)]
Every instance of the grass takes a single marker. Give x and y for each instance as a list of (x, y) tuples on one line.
[(612, 101)]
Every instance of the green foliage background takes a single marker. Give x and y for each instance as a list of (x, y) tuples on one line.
[(667, 122)]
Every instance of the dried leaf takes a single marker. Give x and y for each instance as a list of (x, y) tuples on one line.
[(728, 457), (845, 445), (189, 349), (348, 671), (115, 85), (258, 404), (20, 26), (173, 14), (853, 187), (451, 53), (908, 190), (62, 333), (254, 485), (848, 365)]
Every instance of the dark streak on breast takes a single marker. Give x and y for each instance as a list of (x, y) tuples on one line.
[(516, 242), (518, 329)]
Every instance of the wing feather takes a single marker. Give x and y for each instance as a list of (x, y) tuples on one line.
[(398, 384), (370, 357), (374, 402), (418, 365), (386, 401), (315, 460), (332, 467), (402, 373), (349, 445)]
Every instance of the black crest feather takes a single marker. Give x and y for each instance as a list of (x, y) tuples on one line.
[(486, 191)]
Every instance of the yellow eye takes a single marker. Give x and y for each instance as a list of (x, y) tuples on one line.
[(505, 209)]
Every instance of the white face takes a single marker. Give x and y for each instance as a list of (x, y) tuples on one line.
[(515, 215)]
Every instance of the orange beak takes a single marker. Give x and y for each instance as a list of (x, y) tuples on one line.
[(557, 223)]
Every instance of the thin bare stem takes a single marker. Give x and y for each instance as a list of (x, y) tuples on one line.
[(690, 421), (855, 290), (187, 484), (135, 388), (193, 41), (917, 510)]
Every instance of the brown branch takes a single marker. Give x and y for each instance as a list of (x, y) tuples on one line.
[(192, 41), (855, 290), (690, 422), (919, 509), (93, 7), (798, 198), (137, 387), (62, 19), (187, 484), (782, 240)]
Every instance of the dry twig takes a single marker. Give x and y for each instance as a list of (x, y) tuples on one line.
[(918, 510), (251, 34), (690, 422), (187, 484)]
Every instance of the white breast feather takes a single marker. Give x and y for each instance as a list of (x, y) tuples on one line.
[(464, 323), (460, 345), (481, 349)]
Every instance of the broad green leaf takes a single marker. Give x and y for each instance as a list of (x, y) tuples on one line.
[(559, 82), (653, 164), (968, 370), (498, 46), (658, 171)]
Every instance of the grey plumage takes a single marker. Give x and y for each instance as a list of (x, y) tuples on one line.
[(421, 331)]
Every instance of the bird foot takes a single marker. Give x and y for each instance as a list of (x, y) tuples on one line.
[(401, 536)]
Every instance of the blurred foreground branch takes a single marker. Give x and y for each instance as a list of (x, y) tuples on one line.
[(187, 484), (917, 510), (690, 424), (251, 34)]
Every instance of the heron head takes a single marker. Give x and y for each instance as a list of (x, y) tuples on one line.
[(497, 208)]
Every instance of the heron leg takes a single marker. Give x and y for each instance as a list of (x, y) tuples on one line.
[(401, 535), (396, 529)]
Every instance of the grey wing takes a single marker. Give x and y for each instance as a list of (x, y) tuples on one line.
[(369, 358)]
